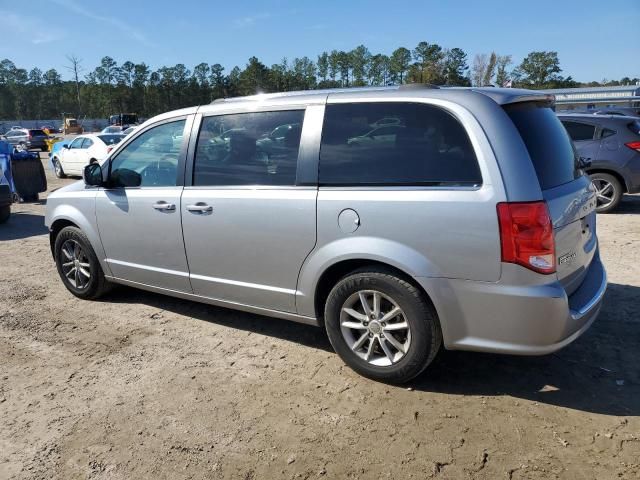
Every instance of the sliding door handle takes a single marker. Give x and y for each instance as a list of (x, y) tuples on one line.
[(200, 207)]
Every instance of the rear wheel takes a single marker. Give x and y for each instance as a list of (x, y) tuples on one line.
[(608, 191), (78, 264), (382, 326)]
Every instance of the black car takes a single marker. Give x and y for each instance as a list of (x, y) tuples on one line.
[(612, 144)]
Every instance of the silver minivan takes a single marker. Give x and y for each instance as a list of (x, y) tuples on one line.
[(399, 219)]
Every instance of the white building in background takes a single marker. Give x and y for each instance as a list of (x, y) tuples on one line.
[(596, 97)]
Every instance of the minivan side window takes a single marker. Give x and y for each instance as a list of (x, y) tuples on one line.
[(418, 145), (242, 149), (579, 131), (153, 155)]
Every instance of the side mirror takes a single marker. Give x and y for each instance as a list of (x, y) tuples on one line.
[(92, 175), (124, 177), (65, 145)]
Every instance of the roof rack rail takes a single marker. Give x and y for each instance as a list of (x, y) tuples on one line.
[(416, 86)]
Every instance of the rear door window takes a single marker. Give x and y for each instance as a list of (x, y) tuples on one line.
[(579, 131), (549, 145), (417, 145)]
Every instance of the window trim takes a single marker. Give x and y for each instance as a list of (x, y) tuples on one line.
[(301, 181), (182, 155), (425, 185)]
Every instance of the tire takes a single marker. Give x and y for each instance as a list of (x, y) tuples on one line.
[(608, 190), (5, 213), (57, 168), (421, 341), (64, 250)]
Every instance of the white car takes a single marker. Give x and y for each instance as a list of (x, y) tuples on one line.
[(72, 158)]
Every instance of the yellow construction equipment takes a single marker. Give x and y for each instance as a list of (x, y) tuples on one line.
[(70, 125)]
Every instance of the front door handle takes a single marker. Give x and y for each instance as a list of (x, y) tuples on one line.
[(200, 207), (164, 206)]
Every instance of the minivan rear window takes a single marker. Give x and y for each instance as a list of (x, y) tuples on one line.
[(550, 148), (395, 144), (37, 133)]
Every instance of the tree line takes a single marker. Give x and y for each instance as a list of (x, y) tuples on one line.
[(134, 87)]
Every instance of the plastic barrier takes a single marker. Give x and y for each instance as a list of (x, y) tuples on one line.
[(28, 175)]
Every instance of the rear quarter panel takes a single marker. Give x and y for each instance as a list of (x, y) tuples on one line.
[(423, 231)]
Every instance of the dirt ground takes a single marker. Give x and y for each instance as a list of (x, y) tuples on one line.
[(145, 386)]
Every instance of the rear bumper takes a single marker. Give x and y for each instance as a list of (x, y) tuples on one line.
[(37, 144), (511, 318)]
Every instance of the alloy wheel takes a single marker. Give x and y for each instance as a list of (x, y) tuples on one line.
[(75, 264), (375, 328), (605, 191)]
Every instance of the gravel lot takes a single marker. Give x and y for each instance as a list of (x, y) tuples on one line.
[(144, 386)]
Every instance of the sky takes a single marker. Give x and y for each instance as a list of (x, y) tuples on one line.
[(594, 39)]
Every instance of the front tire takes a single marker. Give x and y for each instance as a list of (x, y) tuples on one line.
[(57, 167), (382, 326), (78, 265), (608, 191)]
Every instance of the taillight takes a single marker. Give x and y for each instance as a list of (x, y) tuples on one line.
[(109, 149), (634, 146), (526, 235)]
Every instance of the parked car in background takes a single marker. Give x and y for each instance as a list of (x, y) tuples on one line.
[(112, 129), (383, 122), (378, 136), (612, 144), (474, 229), (49, 129), (618, 111), (70, 159), (27, 139), (130, 130)]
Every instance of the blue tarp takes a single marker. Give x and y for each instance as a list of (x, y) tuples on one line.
[(5, 165)]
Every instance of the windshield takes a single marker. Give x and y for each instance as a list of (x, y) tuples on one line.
[(550, 148)]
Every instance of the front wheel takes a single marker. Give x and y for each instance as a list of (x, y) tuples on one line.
[(608, 191), (78, 264), (57, 167), (382, 326)]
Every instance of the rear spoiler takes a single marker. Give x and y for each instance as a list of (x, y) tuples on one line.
[(507, 96)]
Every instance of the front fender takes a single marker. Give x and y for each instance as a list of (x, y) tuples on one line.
[(319, 260), (83, 214)]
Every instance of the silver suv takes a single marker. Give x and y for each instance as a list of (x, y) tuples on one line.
[(466, 222)]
